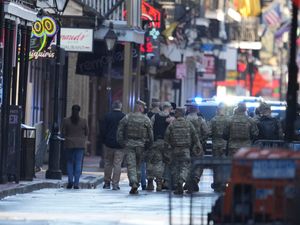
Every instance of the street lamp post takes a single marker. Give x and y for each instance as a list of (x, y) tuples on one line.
[(54, 171), (110, 40)]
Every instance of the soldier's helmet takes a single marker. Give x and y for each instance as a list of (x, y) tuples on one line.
[(241, 107), (264, 108)]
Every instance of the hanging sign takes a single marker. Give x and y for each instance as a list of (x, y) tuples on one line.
[(43, 31), (77, 40)]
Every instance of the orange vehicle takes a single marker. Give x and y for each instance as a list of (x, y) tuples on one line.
[(264, 187)]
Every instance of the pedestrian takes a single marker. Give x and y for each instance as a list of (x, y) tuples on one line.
[(134, 132), (269, 128), (155, 165), (113, 152), (75, 131), (182, 138), (240, 130), (202, 132), (217, 126)]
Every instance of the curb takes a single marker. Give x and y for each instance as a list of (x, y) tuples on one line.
[(85, 183)]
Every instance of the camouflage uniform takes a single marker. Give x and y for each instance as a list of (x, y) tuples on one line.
[(181, 136), (134, 131), (240, 131), (202, 132), (217, 125), (155, 165)]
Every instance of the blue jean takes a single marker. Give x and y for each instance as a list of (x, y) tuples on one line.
[(74, 164), (143, 174)]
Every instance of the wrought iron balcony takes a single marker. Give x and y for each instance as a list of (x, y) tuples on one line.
[(114, 9)]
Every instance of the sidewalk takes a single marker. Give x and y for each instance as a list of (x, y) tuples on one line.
[(90, 178)]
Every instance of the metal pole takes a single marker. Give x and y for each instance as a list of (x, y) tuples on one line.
[(127, 64), (281, 72), (108, 85), (26, 62), (54, 171), (293, 85)]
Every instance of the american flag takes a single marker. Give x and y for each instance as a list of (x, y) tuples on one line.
[(272, 16)]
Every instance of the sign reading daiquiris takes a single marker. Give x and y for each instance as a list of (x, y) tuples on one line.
[(43, 31)]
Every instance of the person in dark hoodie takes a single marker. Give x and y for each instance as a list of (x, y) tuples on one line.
[(113, 152)]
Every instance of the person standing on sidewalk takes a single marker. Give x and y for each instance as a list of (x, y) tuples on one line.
[(75, 131), (134, 132), (113, 152)]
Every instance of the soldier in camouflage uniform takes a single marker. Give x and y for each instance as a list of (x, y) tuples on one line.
[(134, 131), (240, 130), (217, 125), (155, 165), (202, 132), (182, 138)]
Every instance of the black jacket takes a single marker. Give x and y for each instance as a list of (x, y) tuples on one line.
[(109, 128)]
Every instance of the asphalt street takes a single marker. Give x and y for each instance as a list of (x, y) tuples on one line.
[(107, 207)]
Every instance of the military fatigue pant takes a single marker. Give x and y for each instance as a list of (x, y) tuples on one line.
[(181, 160), (134, 159), (218, 151), (194, 175), (112, 164), (155, 165)]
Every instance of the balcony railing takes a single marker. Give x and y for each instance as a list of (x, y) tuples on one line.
[(119, 13)]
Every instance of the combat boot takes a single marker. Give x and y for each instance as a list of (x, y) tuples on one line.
[(165, 185), (134, 189), (158, 184), (179, 189), (150, 186), (193, 186)]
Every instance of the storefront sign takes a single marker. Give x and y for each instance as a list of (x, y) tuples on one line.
[(77, 40), (43, 32), (208, 63), (152, 22), (96, 63), (181, 71)]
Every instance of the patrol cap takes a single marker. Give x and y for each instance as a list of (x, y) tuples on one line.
[(155, 103), (166, 105), (180, 111), (142, 103)]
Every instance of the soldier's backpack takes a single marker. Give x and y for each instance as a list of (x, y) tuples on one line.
[(137, 126), (217, 127), (268, 128), (180, 133), (239, 128)]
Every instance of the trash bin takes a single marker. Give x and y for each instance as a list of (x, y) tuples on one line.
[(27, 153)]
